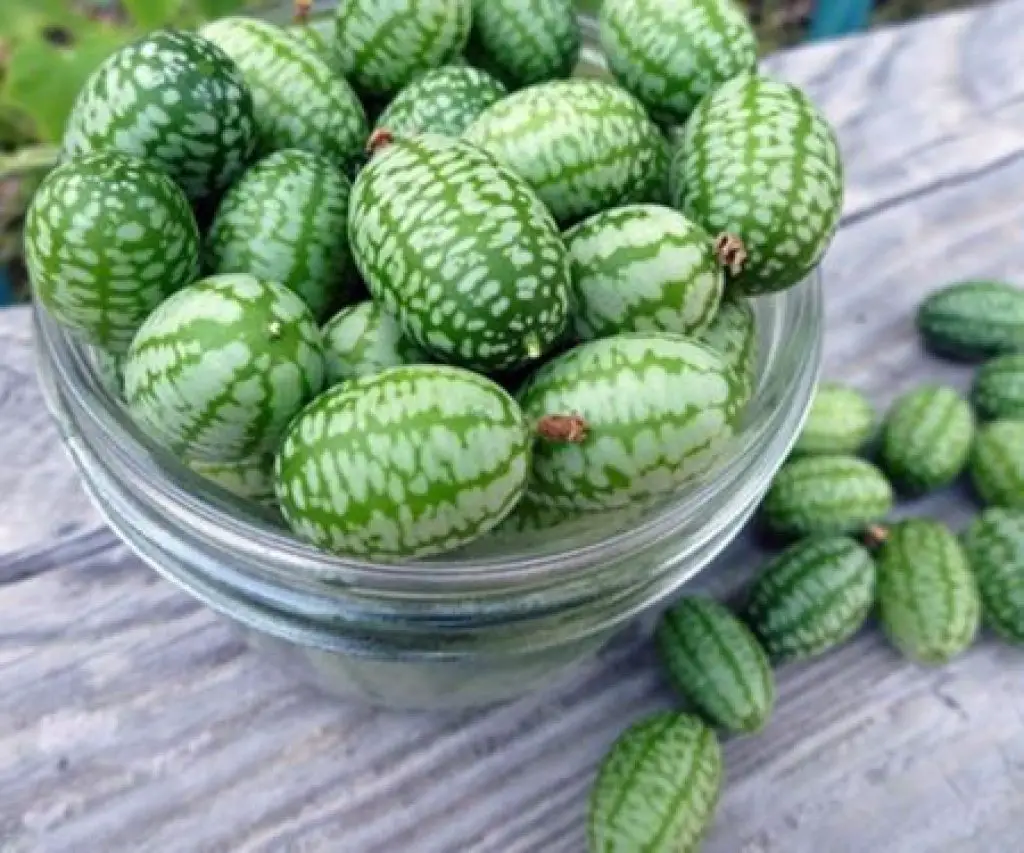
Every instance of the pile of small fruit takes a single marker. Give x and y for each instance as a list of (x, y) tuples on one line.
[(931, 589), (404, 275)]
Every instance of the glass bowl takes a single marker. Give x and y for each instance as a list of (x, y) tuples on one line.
[(495, 620)]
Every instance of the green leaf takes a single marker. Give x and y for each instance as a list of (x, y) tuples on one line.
[(43, 79), (211, 9), (153, 14)]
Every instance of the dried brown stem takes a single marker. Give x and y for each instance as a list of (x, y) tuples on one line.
[(379, 139), (876, 535), (564, 429), (302, 10), (731, 253)]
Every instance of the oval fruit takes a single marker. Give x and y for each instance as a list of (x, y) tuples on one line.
[(671, 53), (174, 99), (841, 420), (733, 334), (362, 340), (994, 544), (443, 100), (410, 462), (299, 101), (583, 145), (998, 390), (658, 787), (997, 464), (826, 494), (285, 220), (927, 597), (525, 41), (642, 268), (249, 479), (656, 412), (716, 663), (383, 44), (107, 238), (972, 320), (812, 597), (461, 252), (926, 439), (219, 369), (759, 162)]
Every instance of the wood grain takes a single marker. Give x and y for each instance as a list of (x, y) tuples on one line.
[(132, 719)]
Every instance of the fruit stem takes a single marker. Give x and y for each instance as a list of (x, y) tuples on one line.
[(564, 429), (302, 10), (875, 535), (731, 252), (380, 138)]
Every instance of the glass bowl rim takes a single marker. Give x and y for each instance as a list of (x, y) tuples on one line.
[(212, 513)]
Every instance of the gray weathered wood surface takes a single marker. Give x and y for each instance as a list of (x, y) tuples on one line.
[(133, 720)]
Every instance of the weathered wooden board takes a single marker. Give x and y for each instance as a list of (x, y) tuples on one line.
[(133, 720)]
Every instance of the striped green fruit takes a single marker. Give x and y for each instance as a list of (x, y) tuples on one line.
[(812, 597), (998, 390), (107, 238), (584, 145), (285, 220), (997, 463), (362, 340), (826, 494), (300, 101), (657, 789), (733, 334), (219, 369), (410, 462), (926, 439), (716, 663), (383, 44), (249, 479), (927, 597), (841, 420), (759, 162), (656, 412), (525, 41), (671, 53), (461, 252), (994, 544), (172, 98), (443, 100), (642, 268), (971, 320)]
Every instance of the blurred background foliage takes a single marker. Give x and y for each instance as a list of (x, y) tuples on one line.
[(48, 48)]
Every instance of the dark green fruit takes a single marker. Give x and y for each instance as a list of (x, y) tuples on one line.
[(994, 544), (926, 439), (461, 252), (714, 660), (972, 320), (761, 164), (998, 390), (175, 100), (812, 597), (657, 789), (997, 464), (826, 494)]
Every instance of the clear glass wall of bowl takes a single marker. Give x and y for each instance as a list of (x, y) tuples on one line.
[(496, 620)]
